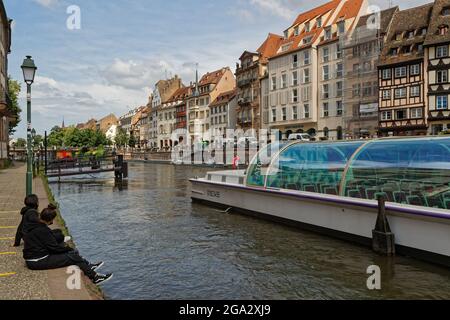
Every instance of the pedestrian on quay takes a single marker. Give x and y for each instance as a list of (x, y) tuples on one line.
[(42, 251), (30, 215)]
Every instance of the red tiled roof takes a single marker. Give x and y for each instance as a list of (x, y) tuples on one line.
[(270, 46), (180, 94), (224, 98), (212, 77), (349, 10)]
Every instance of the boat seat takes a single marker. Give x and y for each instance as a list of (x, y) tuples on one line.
[(415, 200), (400, 197), (355, 193), (310, 188), (370, 193)]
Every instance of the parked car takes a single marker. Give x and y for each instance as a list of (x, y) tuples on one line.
[(299, 136)]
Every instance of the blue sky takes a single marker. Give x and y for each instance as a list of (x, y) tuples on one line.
[(125, 46)]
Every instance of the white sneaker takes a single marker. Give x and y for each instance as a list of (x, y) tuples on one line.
[(67, 239)]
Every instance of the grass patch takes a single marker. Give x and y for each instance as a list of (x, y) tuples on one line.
[(95, 291)]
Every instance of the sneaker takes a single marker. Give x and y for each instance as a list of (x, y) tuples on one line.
[(102, 278), (67, 239), (96, 266)]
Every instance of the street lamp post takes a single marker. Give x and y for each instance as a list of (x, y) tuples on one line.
[(29, 70)]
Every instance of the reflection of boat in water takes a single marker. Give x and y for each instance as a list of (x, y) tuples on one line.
[(332, 188)]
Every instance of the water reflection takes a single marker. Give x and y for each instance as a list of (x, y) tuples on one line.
[(161, 246)]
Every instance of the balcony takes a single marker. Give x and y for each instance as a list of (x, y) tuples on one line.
[(244, 101)]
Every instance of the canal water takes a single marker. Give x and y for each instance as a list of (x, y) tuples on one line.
[(161, 246)]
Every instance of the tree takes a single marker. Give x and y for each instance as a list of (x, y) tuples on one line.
[(14, 108), (121, 139), (132, 141), (38, 141), (21, 143), (56, 137)]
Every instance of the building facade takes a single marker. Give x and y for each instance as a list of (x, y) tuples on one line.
[(210, 86), (438, 62), (223, 114), (362, 49), (5, 116), (305, 74), (105, 123), (403, 90), (164, 89)]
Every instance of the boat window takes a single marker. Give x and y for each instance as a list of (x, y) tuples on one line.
[(409, 171)]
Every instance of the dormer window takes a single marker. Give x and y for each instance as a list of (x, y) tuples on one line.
[(406, 49), (285, 47), (286, 34), (307, 40), (446, 11), (399, 36), (296, 32), (393, 51), (319, 22), (341, 27), (443, 30), (328, 34), (410, 34), (424, 31), (307, 27)]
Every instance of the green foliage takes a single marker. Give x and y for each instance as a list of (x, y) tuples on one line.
[(38, 141), (21, 143), (75, 138), (121, 139), (14, 108), (132, 141)]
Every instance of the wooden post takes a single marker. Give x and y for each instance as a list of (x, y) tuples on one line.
[(383, 240)]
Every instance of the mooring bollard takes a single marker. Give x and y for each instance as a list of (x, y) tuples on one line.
[(383, 240)]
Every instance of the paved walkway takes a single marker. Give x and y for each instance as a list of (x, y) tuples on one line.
[(16, 281)]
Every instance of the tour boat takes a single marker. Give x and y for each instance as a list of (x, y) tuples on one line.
[(333, 187)]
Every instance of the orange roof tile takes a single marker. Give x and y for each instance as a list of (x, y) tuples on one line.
[(318, 11), (212, 77), (269, 46), (224, 98), (349, 10)]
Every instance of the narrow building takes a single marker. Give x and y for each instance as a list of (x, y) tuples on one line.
[(5, 116), (362, 49), (437, 52), (223, 115), (403, 103)]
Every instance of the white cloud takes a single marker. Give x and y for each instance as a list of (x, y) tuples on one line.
[(47, 3), (276, 7)]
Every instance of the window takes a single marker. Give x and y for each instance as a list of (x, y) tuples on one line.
[(387, 74), (393, 51), (307, 40), (442, 76), (307, 27), (296, 31), (294, 113), (326, 72), (400, 72), (283, 81), (294, 61), (443, 30), (339, 70), (283, 111), (325, 110), (274, 83), (442, 102), (306, 111), (356, 89), (339, 108), (306, 76), (325, 93), (446, 11), (441, 51), (401, 114), (286, 34), (295, 95), (319, 22), (339, 89), (341, 27), (415, 91), (410, 34), (400, 93), (294, 78), (367, 89), (424, 31), (327, 34), (386, 94), (414, 70), (325, 54), (416, 113), (338, 51), (386, 115), (274, 115), (306, 57)]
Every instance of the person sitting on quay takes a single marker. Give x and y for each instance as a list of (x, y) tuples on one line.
[(42, 251), (30, 215)]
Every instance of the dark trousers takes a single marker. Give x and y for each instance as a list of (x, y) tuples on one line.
[(56, 261)]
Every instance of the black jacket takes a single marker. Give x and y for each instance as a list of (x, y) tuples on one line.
[(29, 217), (40, 241)]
